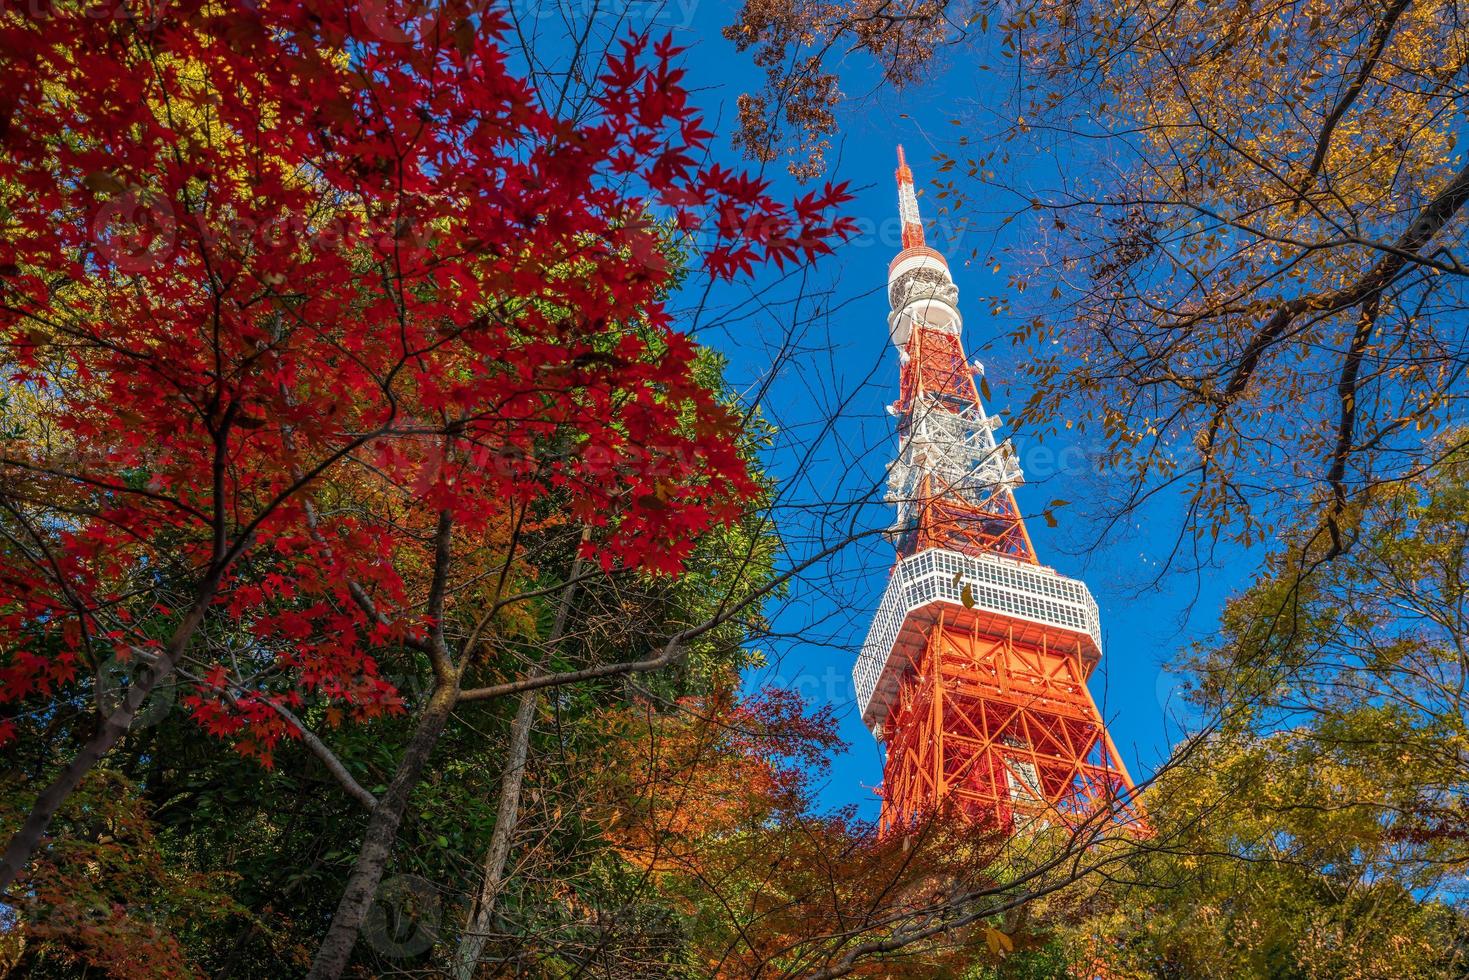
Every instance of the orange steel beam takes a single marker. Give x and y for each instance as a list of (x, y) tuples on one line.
[(965, 717)]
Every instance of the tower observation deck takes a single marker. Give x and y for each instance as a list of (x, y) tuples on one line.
[(974, 673)]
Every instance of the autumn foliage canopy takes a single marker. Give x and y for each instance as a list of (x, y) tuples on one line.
[(284, 280)]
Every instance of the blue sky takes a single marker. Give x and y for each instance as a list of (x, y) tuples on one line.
[(829, 394)]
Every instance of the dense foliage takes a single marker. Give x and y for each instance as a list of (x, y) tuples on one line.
[(1316, 826), (336, 359)]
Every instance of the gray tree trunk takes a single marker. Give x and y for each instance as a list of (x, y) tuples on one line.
[(482, 913), (377, 843)]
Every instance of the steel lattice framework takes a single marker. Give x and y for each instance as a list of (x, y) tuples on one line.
[(975, 670)]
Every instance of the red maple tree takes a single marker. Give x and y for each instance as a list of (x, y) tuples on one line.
[(253, 251)]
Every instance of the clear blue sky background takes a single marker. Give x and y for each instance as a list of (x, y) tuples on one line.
[(829, 396)]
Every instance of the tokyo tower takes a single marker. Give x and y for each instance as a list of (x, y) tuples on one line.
[(974, 673)]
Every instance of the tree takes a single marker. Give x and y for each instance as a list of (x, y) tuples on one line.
[(1284, 855), (607, 619), (283, 839), (712, 803), (796, 42), (105, 896), (1258, 208), (300, 256), (1315, 826), (1364, 659), (1291, 244)]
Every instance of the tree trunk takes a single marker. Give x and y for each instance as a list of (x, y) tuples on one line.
[(25, 841), (382, 831), (472, 943), (482, 912)]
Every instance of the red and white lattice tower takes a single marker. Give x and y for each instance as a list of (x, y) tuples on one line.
[(974, 673)]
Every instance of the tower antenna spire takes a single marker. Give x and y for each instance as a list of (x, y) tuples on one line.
[(908, 204)]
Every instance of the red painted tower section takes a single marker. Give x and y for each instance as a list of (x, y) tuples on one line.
[(974, 674)]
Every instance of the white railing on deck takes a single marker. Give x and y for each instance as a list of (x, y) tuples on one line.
[(997, 585)]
